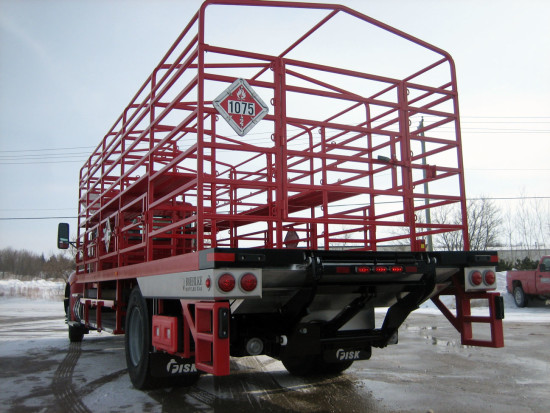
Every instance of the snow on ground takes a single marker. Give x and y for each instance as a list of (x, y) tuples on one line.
[(50, 293), (36, 289)]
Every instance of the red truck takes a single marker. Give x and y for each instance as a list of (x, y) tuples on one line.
[(526, 284), (201, 241)]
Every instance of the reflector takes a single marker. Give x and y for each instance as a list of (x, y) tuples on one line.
[(226, 282), (476, 278), (489, 277), (249, 282)]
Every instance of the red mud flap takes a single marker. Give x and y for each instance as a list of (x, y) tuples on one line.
[(464, 319), (208, 324)]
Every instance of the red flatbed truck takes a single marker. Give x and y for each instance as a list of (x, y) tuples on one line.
[(200, 241)]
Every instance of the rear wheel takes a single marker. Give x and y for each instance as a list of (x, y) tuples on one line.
[(137, 341), (314, 365), (334, 368), (76, 333), (300, 366), (520, 298), (140, 359)]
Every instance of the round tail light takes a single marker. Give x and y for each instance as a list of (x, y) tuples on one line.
[(476, 278), (489, 277), (249, 282), (226, 282)]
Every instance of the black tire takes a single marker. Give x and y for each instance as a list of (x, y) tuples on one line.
[(334, 369), (137, 341), (300, 366), (76, 334), (314, 365), (520, 298)]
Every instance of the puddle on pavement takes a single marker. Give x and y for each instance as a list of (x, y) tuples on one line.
[(427, 333)]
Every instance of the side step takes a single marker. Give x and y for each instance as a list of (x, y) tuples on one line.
[(464, 319)]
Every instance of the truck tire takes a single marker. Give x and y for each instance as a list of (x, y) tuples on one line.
[(334, 368), (302, 366), (314, 365), (520, 298), (138, 347), (76, 334), (137, 341)]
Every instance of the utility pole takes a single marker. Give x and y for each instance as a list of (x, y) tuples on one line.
[(426, 188)]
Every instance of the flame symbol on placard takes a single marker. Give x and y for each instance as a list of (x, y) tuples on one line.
[(241, 94)]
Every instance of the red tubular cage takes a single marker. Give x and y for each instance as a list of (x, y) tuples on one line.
[(338, 162)]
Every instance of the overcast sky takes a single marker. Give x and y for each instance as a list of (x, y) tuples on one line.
[(68, 69)]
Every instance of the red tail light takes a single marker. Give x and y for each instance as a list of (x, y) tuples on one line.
[(396, 268), (226, 282), (476, 278), (363, 270), (489, 277), (249, 282), (380, 269)]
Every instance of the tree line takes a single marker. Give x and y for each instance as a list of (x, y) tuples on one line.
[(526, 227), (28, 264)]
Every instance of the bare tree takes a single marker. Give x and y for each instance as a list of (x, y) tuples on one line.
[(483, 226), (527, 224)]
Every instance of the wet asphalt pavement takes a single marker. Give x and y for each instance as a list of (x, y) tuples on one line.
[(40, 371)]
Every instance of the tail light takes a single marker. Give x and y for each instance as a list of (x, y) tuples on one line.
[(380, 269), (396, 268), (476, 278), (479, 279), (248, 282), (226, 282), (489, 277)]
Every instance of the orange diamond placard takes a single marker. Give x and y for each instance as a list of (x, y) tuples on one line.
[(240, 106)]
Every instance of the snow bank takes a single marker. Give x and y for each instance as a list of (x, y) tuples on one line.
[(54, 290), (35, 289)]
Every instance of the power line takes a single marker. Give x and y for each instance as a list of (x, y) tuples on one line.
[(49, 149), (36, 163), (30, 218)]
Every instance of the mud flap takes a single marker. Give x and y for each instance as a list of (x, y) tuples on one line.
[(167, 365)]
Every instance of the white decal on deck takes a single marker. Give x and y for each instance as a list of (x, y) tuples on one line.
[(173, 367), (193, 284), (347, 355)]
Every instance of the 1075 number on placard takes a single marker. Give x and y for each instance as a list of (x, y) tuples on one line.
[(236, 107)]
